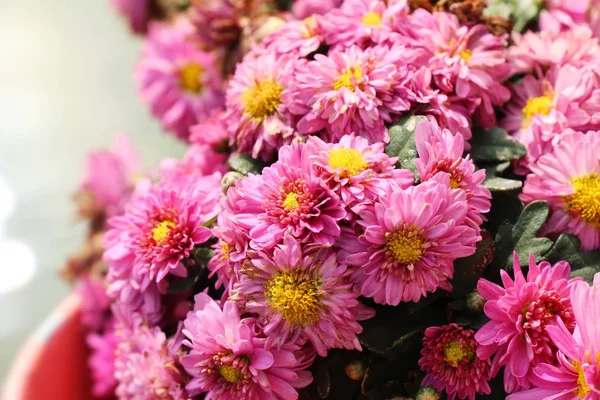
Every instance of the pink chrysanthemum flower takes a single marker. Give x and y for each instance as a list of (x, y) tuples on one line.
[(299, 293), (308, 8), (542, 109), (101, 362), (520, 313), (229, 360), (199, 161), (230, 250), (287, 198), (147, 363), (181, 84), (95, 303), (298, 38), (351, 91), (217, 23), (410, 241), (441, 152), (533, 50), (467, 61), (112, 175), (562, 15), (569, 180), (137, 13), (257, 116), (211, 131), (449, 357), (355, 170), (363, 22), (577, 374)]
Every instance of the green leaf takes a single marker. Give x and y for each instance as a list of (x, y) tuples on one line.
[(586, 273), (568, 248), (495, 145), (202, 256), (497, 184), (402, 142), (245, 164), (506, 209), (468, 270), (522, 237)]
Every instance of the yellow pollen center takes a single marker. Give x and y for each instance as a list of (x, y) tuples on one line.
[(583, 389), (454, 353), (161, 231), (351, 161), (230, 374), (371, 19), (295, 295), (585, 202), (454, 183), (290, 203), (189, 77), (225, 249), (541, 105), (349, 78), (262, 99), (466, 55), (308, 27), (406, 246)]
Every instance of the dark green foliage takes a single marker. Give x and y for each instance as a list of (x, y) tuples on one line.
[(402, 142)]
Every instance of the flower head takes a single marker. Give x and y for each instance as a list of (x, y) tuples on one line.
[(521, 313), (181, 84), (199, 161), (449, 357), (95, 303), (351, 91), (308, 8), (217, 23), (299, 293), (440, 152), (572, 189), (257, 115), (211, 131), (229, 359), (101, 361), (136, 12), (410, 239), (297, 37)]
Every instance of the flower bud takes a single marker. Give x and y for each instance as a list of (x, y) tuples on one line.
[(355, 370), (428, 393), (475, 301), (229, 180)]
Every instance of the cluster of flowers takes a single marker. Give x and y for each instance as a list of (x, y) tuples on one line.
[(229, 285)]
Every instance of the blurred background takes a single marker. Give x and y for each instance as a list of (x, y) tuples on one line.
[(65, 88)]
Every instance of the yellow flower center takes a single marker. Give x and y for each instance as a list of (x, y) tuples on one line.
[(466, 55), (583, 389), (230, 374), (262, 99), (308, 27), (348, 79), (371, 19), (406, 245), (225, 249), (455, 352), (295, 295), (541, 105), (351, 161), (454, 183), (161, 231), (585, 202), (290, 203), (189, 77)]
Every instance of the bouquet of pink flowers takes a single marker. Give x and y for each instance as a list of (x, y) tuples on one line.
[(380, 200)]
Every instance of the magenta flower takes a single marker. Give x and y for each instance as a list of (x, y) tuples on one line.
[(199, 161), (442, 153), (355, 170), (409, 242), (147, 363), (287, 198), (565, 14), (95, 303), (568, 178), (301, 293), (449, 357), (112, 175), (297, 38), (229, 359), (577, 374), (257, 115), (467, 61), (101, 361), (363, 22), (136, 12), (521, 313), (181, 84), (351, 91), (216, 22), (211, 131), (307, 8)]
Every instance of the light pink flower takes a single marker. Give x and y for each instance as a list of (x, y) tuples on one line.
[(568, 178), (101, 361), (95, 303), (216, 22), (576, 376), (181, 84), (564, 14), (287, 198), (298, 38), (520, 315), (351, 91), (136, 12), (199, 161), (409, 242), (308, 8), (449, 357), (257, 115), (440, 152), (229, 359), (297, 292), (211, 131)]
